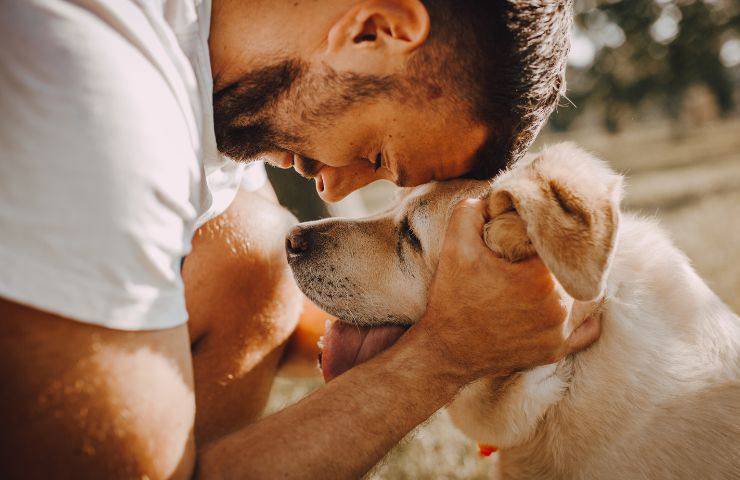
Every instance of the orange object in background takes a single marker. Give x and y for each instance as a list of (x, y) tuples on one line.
[(301, 354)]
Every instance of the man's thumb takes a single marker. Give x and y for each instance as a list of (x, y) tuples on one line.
[(467, 220)]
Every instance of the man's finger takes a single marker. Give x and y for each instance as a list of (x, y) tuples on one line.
[(468, 218), (465, 229)]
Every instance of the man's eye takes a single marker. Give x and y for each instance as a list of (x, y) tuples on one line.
[(407, 232), (378, 161)]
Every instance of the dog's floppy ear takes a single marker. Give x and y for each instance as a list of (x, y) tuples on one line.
[(569, 204)]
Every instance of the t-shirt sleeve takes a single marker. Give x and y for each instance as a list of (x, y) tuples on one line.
[(96, 170)]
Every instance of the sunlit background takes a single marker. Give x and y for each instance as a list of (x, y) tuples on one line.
[(653, 87)]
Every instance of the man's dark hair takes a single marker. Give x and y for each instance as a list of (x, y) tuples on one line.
[(505, 61)]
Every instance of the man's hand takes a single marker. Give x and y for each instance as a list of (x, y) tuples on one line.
[(489, 316)]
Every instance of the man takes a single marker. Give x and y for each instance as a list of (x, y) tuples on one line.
[(112, 111)]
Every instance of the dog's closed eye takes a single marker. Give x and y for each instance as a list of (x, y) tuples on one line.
[(408, 233)]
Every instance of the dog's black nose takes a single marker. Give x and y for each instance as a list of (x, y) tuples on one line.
[(297, 242)]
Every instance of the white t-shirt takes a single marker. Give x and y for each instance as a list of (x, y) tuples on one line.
[(108, 159)]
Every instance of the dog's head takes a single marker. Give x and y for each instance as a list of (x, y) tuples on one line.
[(561, 204), (376, 270)]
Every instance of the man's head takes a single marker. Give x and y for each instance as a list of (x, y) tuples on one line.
[(349, 92)]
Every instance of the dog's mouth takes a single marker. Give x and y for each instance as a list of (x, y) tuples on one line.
[(346, 345)]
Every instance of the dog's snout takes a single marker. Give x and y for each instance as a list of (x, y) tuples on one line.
[(297, 242)]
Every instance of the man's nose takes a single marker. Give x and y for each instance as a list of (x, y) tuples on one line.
[(338, 182), (298, 242)]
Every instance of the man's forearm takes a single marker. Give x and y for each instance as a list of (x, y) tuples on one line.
[(344, 428)]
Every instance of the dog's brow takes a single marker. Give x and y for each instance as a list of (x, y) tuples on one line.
[(413, 208)]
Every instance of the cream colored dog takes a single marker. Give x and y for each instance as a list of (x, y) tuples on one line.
[(657, 397)]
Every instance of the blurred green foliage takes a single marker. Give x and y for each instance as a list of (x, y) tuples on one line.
[(649, 51)]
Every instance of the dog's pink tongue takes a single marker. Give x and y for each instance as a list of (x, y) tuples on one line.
[(348, 345)]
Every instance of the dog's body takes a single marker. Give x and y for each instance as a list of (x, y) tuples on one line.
[(658, 396)]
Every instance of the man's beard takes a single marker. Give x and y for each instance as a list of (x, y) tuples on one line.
[(244, 111), (241, 111)]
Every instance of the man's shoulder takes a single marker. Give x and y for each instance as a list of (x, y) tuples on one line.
[(92, 85)]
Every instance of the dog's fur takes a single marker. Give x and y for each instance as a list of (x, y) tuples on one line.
[(657, 397)]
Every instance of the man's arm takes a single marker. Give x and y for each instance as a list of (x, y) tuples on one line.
[(83, 401), (344, 428)]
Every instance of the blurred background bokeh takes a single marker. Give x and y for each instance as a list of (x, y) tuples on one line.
[(653, 87)]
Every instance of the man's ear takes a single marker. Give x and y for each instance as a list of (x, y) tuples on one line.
[(569, 202), (376, 36)]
